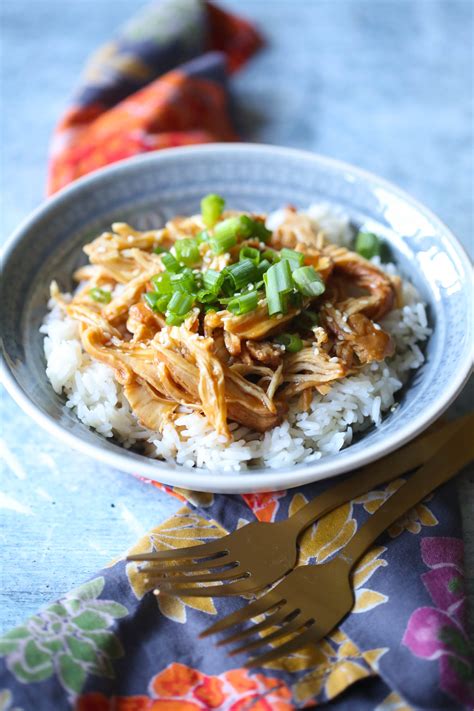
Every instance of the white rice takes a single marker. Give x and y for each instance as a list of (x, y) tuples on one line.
[(352, 404)]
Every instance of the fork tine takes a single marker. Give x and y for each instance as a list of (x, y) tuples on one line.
[(272, 619), (240, 587), (293, 625), (211, 549), (159, 570), (313, 635), (237, 588), (256, 607), (173, 585)]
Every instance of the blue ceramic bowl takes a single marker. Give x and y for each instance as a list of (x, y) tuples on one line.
[(146, 191)]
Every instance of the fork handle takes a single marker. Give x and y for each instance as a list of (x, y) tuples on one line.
[(380, 472), (441, 466)]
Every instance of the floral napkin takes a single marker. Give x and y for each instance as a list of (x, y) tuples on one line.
[(110, 645)]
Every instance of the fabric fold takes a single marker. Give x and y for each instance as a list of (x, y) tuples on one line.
[(161, 83)]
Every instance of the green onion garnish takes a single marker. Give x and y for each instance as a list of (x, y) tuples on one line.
[(243, 304), (254, 228), (250, 253), (242, 273), (162, 303), (180, 303), (211, 209), (202, 236), (308, 281), (151, 298), (205, 296), (162, 283), (174, 319), (222, 244), (225, 235), (292, 342), (213, 280), (271, 254), (157, 302), (295, 300), (296, 259), (367, 245), (263, 266), (185, 282), (170, 263), (278, 284), (187, 251), (100, 295), (159, 250)]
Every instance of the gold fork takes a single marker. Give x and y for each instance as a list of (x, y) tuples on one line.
[(312, 599), (254, 556)]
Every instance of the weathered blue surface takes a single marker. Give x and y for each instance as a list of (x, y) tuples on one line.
[(385, 85)]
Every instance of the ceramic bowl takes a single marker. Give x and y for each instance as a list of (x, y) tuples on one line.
[(149, 189)]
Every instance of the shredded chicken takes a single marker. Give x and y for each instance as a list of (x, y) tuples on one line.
[(265, 352), (151, 410), (297, 230), (357, 334), (367, 277), (226, 366)]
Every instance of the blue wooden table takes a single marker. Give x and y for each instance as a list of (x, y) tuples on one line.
[(384, 84)]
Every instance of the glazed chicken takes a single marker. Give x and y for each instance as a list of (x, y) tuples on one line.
[(219, 315)]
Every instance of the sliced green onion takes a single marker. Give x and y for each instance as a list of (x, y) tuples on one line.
[(180, 303), (308, 281), (157, 302), (187, 251), (170, 263), (263, 266), (220, 245), (159, 250), (242, 273), (213, 280), (185, 282), (368, 245), (162, 283), (250, 253), (225, 235), (151, 297), (254, 228), (211, 209), (278, 284), (243, 304), (205, 296), (100, 295), (246, 226), (174, 319), (227, 232), (296, 259), (292, 342), (202, 236), (272, 255), (295, 300), (162, 303), (228, 288)]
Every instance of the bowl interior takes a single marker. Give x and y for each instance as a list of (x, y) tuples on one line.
[(146, 192)]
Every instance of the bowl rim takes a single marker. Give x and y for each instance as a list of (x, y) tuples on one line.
[(204, 479)]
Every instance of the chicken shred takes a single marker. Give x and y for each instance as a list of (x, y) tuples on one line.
[(227, 367)]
